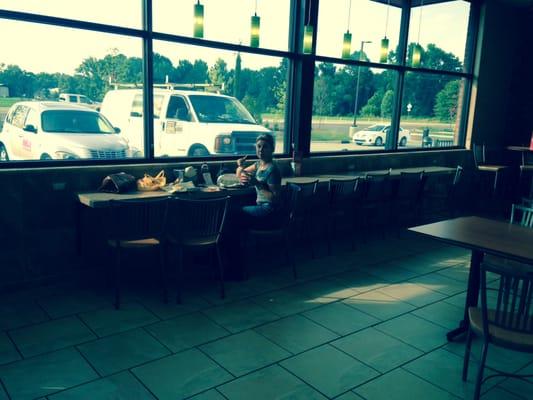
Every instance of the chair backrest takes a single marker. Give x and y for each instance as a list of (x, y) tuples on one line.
[(410, 186), (306, 197), (136, 218), (522, 215), (510, 307), (479, 154), (341, 190), (198, 218), (378, 187)]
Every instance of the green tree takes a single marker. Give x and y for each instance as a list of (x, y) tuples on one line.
[(218, 73), (447, 100), (386, 104), (237, 77), (373, 107)]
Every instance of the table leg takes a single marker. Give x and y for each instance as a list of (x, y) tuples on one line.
[(472, 295)]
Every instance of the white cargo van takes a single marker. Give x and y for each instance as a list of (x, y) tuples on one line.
[(186, 122), (79, 99)]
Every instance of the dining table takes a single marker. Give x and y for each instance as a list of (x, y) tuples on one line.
[(481, 236)]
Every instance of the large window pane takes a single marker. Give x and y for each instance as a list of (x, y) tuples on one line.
[(431, 109), (227, 21), (338, 91), (126, 13), (56, 79), (440, 30), (367, 22), (216, 102)]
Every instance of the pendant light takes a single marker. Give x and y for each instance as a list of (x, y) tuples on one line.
[(308, 33), (417, 49), (198, 20), (347, 39), (384, 52), (254, 30)]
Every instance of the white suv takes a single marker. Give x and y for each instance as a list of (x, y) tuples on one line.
[(53, 130), (79, 99), (186, 122)]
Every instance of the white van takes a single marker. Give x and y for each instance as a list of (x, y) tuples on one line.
[(79, 99), (186, 122)]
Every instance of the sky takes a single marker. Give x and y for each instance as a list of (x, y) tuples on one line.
[(41, 48)]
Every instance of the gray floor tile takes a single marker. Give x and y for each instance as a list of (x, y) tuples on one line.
[(401, 385), (349, 396), (3, 394), (46, 374), (51, 335), (389, 272), (187, 331), (15, 314), (520, 387), (329, 370), (420, 264), (376, 349), (341, 318), (412, 293), (433, 366), (326, 287), (190, 303), (415, 331), (244, 352), (8, 352), (458, 300), (74, 302), (501, 394), (287, 302), (123, 386), (440, 283), (125, 350), (458, 272), (269, 383), (181, 375), (441, 313), (379, 305), (296, 333), (108, 321), (239, 316), (209, 395), (361, 281)]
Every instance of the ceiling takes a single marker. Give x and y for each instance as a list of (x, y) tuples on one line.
[(416, 3)]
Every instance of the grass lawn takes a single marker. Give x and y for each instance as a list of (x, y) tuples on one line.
[(9, 101)]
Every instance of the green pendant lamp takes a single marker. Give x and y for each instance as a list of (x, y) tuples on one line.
[(417, 56), (347, 45), (308, 39), (198, 20), (254, 31), (384, 50)]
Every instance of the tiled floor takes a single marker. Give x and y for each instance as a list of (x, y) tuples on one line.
[(365, 324)]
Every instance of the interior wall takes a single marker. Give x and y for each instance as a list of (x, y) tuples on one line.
[(502, 107)]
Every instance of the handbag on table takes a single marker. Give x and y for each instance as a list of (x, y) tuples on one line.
[(117, 183)]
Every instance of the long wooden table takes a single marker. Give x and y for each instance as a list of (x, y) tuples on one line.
[(481, 236)]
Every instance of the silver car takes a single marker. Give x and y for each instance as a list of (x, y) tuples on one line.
[(54, 130)]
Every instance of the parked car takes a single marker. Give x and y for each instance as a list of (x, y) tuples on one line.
[(186, 122), (63, 131), (79, 99), (377, 135)]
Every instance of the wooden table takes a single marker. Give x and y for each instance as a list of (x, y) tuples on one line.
[(481, 236)]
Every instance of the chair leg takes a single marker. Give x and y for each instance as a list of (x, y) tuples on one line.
[(117, 278), (466, 358), (163, 264), (288, 255), (479, 378), (179, 273), (221, 272)]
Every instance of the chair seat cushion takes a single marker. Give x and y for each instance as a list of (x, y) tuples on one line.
[(134, 243), (195, 242), (492, 168), (502, 337)]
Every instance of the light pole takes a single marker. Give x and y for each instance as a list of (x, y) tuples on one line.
[(357, 85)]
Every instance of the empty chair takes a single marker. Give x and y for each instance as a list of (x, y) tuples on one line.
[(408, 197), (376, 204), (196, 225), (526, 174), (487, 166), (341, 205), (443, 198), (505, 318), (522, 215), (289, 201), (304, 220), (135, 225)]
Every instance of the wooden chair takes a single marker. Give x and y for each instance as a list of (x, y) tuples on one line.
[(506, 322), (290, 199), (522, 215), (407, 199), (341, 204), (376, 203), (135, 225), (484, 165), (196, 225), (526, 174), (304, 215)]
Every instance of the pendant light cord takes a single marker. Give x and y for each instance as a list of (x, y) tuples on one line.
[(309, 13), (255, 12), (420, 21), (387, 17), (349, 14)]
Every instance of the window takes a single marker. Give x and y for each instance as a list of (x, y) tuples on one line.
[(341, 90)]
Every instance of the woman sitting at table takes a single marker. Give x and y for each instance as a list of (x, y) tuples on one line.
[(265, 176)]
